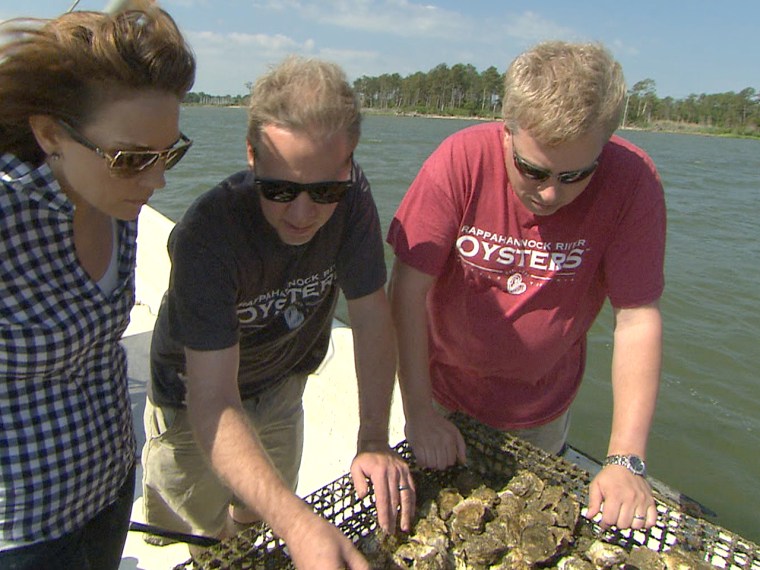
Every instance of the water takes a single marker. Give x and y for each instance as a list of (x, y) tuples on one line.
[(706, 437)]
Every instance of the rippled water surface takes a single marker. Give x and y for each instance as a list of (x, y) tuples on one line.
[(706, 437)]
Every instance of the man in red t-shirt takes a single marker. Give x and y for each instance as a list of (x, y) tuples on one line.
[(507, 244)]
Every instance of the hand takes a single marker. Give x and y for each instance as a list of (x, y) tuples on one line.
[(315, 544), (393, 485), (435, 441), (624, 499)]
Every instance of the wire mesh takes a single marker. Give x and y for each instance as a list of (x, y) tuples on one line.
[(492, 454)]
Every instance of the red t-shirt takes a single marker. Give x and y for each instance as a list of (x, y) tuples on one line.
[(516, 293)]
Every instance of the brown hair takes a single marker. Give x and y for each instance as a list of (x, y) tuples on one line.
[(560, 91), (307, 95), (69, 66)]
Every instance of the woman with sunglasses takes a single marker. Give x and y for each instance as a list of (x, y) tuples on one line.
[(89, 109), (507, 244)]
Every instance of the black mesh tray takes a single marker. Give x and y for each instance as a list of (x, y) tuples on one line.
[(489, 452)]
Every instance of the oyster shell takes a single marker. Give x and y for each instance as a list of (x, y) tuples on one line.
[(645, 559), (448, 498), (469, 517), (526, 484), (605, 555), (574, 562)]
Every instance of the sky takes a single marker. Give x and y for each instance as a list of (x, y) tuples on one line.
[(686, 46)]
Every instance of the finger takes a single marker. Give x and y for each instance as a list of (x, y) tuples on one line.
[(611, 515), (408, 502), (421, 455), (452, 452), (638, 519), (594, 501), (442, 457), (461, 449), (651, 516), (360, 480), (386, 502)]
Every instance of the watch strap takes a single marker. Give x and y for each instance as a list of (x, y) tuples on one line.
[(633, 463)]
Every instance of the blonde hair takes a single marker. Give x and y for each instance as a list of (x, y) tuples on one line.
[(70, 66), (305, 95), (560, 91)]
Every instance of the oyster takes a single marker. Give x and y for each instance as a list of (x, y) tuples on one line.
[(566, 512), (605, 555), (486, 495), (526, 484), (482, 550), (431, 532), (448, 498), (510, 506), (422, 556), (574, 562), (645, 559), (539, 543), (468, 517)]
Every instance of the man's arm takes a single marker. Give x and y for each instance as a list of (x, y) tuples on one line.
[(436, 442), (222, 430), (636, 364), (375, 360)]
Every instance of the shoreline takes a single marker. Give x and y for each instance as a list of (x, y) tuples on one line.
[(659, 127)]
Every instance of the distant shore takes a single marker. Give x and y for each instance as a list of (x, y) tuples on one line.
[(656, 127)]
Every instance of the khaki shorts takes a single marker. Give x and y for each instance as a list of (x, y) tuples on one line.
[(180, 490), (550, 437)]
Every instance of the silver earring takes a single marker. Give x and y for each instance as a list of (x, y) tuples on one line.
[(55, 156)]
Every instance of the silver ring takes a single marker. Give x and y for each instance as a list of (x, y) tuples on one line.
[(640, 517), (403, 488)]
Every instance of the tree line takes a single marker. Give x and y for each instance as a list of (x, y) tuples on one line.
[(461, 90)]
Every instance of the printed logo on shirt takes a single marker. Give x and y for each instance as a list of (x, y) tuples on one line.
[(515, 262), (293, 303), (515, 284)]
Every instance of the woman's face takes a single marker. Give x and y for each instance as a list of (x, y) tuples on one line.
[(142, 120)]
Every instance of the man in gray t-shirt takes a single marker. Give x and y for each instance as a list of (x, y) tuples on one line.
[(257, 265)]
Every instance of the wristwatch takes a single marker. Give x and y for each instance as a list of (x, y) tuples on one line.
[(633, 463)]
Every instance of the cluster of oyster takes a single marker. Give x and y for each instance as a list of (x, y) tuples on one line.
[(526, 524)]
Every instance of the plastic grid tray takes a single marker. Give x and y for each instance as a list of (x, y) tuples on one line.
[(489, 452)]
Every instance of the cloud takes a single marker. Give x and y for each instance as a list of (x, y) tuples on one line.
[(388, 17), (368, 37), (530, 27), (234, 44), (223, 67), (618, 46)]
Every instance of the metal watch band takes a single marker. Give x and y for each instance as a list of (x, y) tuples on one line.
[(633, 463)]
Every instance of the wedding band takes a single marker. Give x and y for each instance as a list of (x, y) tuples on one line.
[(640, 517), (403, 488)]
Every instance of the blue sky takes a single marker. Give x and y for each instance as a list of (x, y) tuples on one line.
[(685, 46)]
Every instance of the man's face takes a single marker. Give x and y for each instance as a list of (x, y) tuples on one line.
[(546, 178), (282, 154)]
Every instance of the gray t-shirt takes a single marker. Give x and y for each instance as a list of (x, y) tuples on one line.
[(233, 280)]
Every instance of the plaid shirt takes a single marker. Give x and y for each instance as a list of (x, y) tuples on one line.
[(66, 435)]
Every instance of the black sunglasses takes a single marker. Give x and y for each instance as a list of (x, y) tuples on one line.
[(540, 174), (128, 163), (328, 192)]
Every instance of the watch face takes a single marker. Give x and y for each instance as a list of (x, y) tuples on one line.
[(636, 464)]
